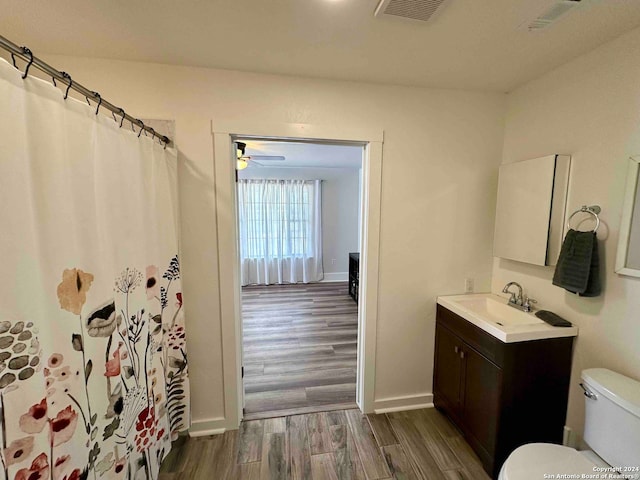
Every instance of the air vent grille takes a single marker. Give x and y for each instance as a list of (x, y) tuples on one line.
[(553, 13), (421, 10)]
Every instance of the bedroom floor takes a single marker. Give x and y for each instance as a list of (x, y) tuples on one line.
[(299, 348), (343, 444)]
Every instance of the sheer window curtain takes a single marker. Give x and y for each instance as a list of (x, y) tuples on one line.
[(280, 231)]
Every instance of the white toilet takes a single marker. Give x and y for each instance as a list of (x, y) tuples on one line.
[(612, 431)]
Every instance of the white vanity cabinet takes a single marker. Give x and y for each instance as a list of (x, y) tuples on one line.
[(530, 210)]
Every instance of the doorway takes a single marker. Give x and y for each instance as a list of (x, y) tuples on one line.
[(299, 230), (224, 134)]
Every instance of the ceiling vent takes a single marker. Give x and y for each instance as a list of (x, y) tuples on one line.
[(422, 10), (551, 14)]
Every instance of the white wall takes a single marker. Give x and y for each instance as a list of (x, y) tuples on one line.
[(440, 157), (589, 108), (340, 208)]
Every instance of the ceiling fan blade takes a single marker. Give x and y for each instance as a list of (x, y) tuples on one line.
[(269, 158)]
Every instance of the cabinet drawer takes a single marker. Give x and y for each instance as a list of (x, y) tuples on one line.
[(485, 344)]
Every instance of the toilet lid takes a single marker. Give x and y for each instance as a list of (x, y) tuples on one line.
[(534, 460)]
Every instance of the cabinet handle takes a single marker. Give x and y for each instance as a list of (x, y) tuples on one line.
[(461, 354), (456, 349)]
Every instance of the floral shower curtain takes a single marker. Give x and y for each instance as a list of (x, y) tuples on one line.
[(93, 366)]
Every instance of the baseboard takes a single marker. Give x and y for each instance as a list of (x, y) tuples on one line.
[(335, 277), (205, 428), (399, 404)]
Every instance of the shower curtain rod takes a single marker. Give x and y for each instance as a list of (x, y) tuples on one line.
[(25, 54)]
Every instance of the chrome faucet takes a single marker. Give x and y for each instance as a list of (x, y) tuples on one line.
[(518, 301)]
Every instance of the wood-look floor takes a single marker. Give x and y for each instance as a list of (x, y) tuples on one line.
[(336, 445), (299, 347)]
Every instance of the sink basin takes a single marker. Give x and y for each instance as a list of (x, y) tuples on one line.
[(497, 311), (492, 314)]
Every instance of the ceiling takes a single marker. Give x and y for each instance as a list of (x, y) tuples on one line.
[(305, 154), (471, 44)]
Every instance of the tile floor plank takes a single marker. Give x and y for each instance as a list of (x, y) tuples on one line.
[(442, 425), (399, 465), (323, 467), (318, 431), (169, 476), (373, 463), (382, 429), (224, 457), (348, 464), (440, 451), (414, 446), (298, 446), (250, 441), (189, 454), (275, 425), (217, 457), (458, 475), (172, 462), (274, 457), (250, 471), (467, 457), (280, 448), (336, 417)]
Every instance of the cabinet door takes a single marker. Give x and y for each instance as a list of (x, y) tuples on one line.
[(482, 391), (448, 367)]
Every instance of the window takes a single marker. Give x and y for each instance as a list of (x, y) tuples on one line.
[(276, 224), (280, 231)]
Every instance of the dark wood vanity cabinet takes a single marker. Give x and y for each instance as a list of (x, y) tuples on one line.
[(500, 395)]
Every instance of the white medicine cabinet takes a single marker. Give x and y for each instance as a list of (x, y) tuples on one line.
[(530, 210)]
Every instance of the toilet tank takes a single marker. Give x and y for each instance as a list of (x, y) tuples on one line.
[(612, 420)]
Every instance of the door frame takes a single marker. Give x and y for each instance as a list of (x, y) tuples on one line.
[(224, 133)]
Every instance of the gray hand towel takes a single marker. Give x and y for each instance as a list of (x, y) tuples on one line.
[(578, 267)]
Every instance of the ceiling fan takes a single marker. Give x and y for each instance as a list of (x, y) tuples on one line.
[(245, 160)]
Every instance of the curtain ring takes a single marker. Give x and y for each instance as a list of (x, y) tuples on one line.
[(123, 115), (99, 101), (54, 81), (141, 128), (67, 76), (26, 70), (153, 133), (13, 59)]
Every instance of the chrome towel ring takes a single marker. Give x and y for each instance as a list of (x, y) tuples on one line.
[(593, 210)]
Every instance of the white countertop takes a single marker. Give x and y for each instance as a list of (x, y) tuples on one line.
[(492, 314)]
